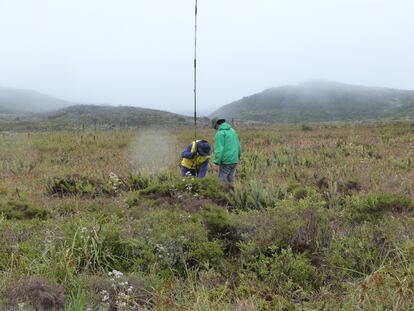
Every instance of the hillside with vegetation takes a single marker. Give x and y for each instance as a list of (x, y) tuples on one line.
[(322, 218), (25, 110), (322, 101), (93, 116), (111, 116)]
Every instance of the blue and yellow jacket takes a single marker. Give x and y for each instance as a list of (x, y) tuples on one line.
[(191, 160)]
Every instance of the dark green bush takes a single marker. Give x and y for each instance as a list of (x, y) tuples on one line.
[(219, 225), (306, 128), (22, 210), (77, 185), (301, 193), (138, 182), (84, 186)]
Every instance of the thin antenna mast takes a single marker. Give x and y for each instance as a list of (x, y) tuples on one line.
[(195, 71)]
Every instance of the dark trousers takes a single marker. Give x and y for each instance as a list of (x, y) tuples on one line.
[(227, 172)]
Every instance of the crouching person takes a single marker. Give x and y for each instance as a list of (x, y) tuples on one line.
[(195, 159)]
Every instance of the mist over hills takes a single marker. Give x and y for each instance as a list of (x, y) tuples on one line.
[(312, 101), (17, 101), (321, 101), (30, 110), (95, 116)]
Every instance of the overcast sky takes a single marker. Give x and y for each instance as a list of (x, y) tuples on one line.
[(139, 52)]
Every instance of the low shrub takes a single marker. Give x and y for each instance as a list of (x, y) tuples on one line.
[(220, 226), (179, 240), (374, 206), (363, 248), (184, 192), (108, 185), (305, 229), (76, 185), (22, 211), (166, 239), (302, 192), (349, 187), (138, 182), (306, 128), (280, 271)]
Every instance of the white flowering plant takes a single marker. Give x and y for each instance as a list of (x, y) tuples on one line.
[(121, 295)]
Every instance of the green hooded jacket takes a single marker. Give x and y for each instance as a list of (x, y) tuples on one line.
[(226, 145)]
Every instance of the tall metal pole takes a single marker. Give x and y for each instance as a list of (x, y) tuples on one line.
[(195, 71)]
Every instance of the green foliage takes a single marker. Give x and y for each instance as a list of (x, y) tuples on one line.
[(180, 190), (220, 226), (75, 185), (77, 301), (306, 127), (302, 192), (185, 242), (217, 220), (253, 196), (365, 248), (22, 211), (138, 182), (84, 186), (23, 240), (375, 206), (281, 271), (90, 246), (303, 230), (386, 289)]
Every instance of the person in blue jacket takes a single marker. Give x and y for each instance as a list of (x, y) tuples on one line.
[(195, 158)]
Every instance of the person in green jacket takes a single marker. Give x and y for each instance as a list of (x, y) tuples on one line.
[(226, 150)]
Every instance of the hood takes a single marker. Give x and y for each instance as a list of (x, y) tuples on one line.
[(224, 126)]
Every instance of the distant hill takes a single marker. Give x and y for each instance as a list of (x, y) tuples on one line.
[(103, 117), (30, 110), (16, 101), (321, 101), (111, 116)]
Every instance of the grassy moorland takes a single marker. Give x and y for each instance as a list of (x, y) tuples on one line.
[(321, 219)]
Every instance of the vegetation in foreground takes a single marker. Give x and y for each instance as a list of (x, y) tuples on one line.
[(321, 219)]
